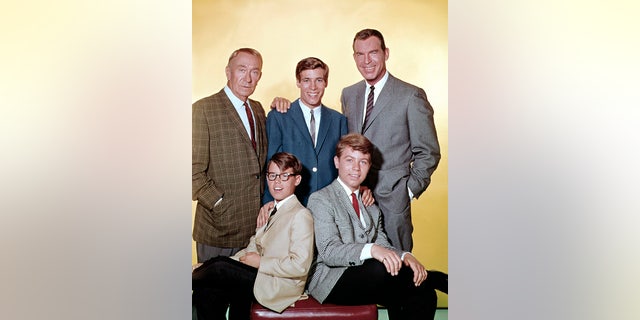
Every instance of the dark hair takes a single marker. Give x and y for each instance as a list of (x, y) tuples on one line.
[(310, 64), (285, 160), (250, 51), (356, 141), (366, 33)]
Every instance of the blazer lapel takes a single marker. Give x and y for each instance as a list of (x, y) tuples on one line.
[(286, 207), (345, 202), (300, 122), (325, 124), (368, 217), (235, 118), (383, 101), (359, 105)]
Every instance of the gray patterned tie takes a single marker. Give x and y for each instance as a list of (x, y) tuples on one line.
[(312, 129)]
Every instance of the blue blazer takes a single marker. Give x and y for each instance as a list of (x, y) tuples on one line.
[(289, 132)]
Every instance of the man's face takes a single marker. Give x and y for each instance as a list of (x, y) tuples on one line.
[(353, 167), (370, 59), (243, 73), (312, 85), (278, 188)]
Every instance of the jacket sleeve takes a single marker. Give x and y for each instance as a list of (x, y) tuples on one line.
[(203, 188), (424, 142)]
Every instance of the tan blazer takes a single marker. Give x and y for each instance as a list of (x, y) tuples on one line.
[(225, 166), (286, 247)]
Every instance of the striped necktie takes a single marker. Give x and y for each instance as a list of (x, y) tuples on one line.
[(369, 107)]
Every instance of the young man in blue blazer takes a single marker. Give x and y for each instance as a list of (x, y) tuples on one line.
[(310, 130)]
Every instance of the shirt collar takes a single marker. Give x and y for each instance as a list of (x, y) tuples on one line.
[(380, 84), (306, 109), (347, 189), (278, 204), (237, 103)]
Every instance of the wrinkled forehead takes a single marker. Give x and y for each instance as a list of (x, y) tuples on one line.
[(246, 60)]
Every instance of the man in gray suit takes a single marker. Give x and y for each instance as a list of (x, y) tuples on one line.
[(398, 119), (355, 262), (229, 148)]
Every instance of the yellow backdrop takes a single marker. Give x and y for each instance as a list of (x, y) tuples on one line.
[(285, 31)]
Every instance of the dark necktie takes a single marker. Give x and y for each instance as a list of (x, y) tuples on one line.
[(250, 117), (271, 215), (312, 129), (354, 201), (369, 107)]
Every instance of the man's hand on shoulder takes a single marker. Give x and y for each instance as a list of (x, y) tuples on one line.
[(281, 104), (367, 196), (263, 215)]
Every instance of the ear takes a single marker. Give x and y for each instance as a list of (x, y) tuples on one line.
[(297, 83), (336, 162), (298, 180), (227, 71), (386, 54)]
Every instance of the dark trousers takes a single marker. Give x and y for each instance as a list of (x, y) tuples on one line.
[(205, 252), (222, 282), (371, 283)]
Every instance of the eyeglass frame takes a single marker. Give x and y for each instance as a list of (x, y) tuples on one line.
[(283, 176)]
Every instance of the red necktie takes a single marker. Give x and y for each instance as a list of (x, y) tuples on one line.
[(253, 139), (354, 201)]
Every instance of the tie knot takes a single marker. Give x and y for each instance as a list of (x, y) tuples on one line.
[(354, 201), (372, 87)]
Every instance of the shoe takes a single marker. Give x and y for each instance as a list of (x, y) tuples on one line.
[(438, 280)]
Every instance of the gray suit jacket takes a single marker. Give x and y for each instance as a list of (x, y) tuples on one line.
[(406, 151), (286, 249), (340, 237), (224, 165)]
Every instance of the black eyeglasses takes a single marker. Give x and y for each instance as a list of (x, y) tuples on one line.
[(283, 176)]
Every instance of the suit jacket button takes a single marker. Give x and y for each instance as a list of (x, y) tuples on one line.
[(314, 169), (257, 176), (361, 235)]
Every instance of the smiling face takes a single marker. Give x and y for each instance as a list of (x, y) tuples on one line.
[(370, 58), (312, 84), (281, 189), (243, 73), (352, 166)]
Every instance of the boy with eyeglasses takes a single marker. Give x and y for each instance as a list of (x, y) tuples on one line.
[(273, 268)]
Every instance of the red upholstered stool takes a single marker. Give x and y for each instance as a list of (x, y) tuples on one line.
[(312, 309)]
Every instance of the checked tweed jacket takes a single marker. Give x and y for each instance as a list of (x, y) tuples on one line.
[(225, 166)]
